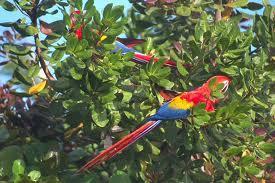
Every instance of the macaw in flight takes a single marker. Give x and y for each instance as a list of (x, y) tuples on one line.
[(124, 44), (177, 108)]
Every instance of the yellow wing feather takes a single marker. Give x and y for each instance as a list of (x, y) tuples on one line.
[(179, 103)]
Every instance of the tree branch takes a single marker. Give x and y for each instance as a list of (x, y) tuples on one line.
[(38, 50), (218, 15)]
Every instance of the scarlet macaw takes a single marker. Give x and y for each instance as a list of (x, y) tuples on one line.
[(177, 108), (124, 44)]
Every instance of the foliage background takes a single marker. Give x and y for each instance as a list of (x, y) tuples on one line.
[(48, 136)]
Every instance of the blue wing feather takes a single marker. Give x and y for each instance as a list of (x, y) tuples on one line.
[(123, 48), (167, 113)]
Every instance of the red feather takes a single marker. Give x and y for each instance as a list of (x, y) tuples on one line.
[(120, 145), (148, 58)]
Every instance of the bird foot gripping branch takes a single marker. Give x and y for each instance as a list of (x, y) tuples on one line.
[(177, 108)]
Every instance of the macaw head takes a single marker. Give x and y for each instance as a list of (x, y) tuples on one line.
[(214, 84), (204, 94), (220, 83)]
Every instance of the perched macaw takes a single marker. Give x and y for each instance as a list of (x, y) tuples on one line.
[(177, 108)]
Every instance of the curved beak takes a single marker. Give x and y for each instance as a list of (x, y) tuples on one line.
[(225, 86)]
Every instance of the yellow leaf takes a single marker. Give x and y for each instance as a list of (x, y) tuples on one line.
[(72, 131), (102, 38), (37, 88), (246, 153)]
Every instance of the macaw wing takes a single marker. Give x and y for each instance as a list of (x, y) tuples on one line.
[(123, 48), (165, 112), (167, 95)]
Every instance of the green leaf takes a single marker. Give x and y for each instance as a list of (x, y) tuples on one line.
[(165, 83), (106, 98), (155, 149), (126, 96), (107, 10), (57, 55), (233, 151), (117, 12), (33, 71), (89, 5), (4, 134), (233, 70), (246, 160), (85, 54), (47, 4), (21, 78), (153, 11), (7, 5), (34, 175), (99, 116), (139, 147), (17, 49), (18, 168), (272, 111), (148, 44), (120, 177), (78, 4), (67, 104), (31, 30), (79, 63), (257, 101), (61, 84), (267, 147), (71, 44), (183, 11), (182, 69), (212, 84), (252, 170), (237, 3), (7, 156), (200, 177), (76, 155), (201, 119), (217, 94), (75, 74), (187, 178)]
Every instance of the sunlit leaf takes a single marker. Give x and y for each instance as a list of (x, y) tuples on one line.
[(37, 88)]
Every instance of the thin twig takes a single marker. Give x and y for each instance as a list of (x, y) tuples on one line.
[(19, 8)]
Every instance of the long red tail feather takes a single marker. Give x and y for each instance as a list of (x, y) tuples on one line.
[(130, 42), (120, 145)]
